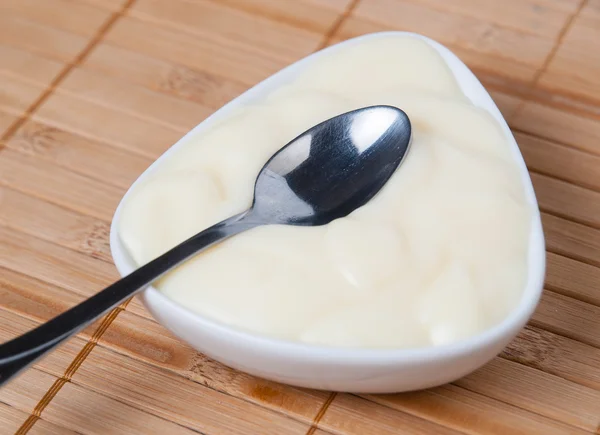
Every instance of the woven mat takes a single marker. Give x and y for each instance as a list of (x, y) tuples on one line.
[(91, 91)]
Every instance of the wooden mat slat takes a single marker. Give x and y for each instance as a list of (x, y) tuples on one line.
[(224, 59), (316, 16), (97, 122), (248, 32), (177, 398), (208, 89), (28, 388), (563, 126), (352, 414), (62, 414), (555, 354), (26, 66), (536, 391), (137, 101), (473, 413), (18, 95), (48, 41), (73, 17), (6, 120), (162, 67), (18, 322), (35, 177), (52, 265), (73, 405), (12, 419), (574, 69), (568, 317), (111, 5), (573, 278), (84, 156), (560, 161), (577, 241), (563, 199)]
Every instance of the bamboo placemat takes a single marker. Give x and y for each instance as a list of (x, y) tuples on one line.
[(91, 91)]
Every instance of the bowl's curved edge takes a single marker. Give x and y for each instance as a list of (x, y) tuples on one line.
[(536, 246), (506, 330)]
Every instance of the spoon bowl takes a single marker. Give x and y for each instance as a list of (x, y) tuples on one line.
[(332, 169)]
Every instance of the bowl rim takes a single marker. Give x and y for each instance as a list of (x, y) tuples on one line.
[(261, 344)]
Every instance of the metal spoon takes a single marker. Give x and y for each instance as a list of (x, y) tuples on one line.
[(324, 174)]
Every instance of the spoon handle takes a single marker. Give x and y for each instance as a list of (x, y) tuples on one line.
[(22, 351)]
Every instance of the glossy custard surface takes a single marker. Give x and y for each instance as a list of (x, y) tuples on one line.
[(438, 255)]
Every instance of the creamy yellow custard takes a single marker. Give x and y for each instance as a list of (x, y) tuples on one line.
[(440, 254)]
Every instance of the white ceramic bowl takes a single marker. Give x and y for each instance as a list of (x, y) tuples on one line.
[(342, 369)]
